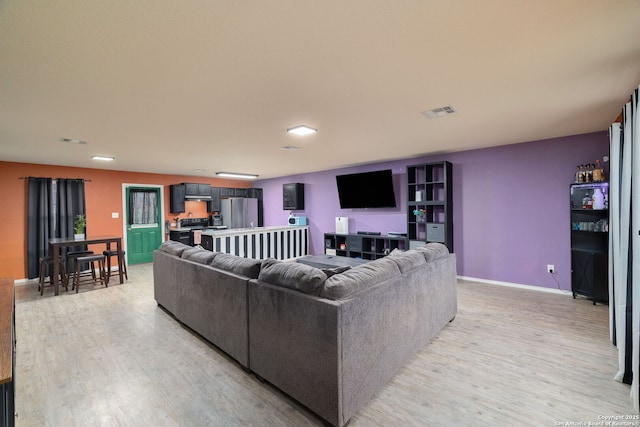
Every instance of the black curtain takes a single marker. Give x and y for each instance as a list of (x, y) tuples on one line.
[(70, 202), (40, 222)]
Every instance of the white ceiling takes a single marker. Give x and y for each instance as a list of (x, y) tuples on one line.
[(174, 86)]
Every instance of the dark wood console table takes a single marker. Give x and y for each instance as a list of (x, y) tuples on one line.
[(59, 242), (7, 351)]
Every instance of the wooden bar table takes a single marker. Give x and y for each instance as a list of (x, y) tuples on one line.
[(60, 242)]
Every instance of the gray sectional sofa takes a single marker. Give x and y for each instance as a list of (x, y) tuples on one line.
[(330, 339)]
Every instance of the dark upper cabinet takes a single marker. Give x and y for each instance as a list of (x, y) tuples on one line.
[(176, 196), (255, 193), (193, 190), (241, 192), (227, 192), (292, 196), (213, 205)]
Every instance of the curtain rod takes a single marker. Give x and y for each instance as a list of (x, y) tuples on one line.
[(80, 179)]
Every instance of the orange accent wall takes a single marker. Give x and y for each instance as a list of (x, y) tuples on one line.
[(103, 196)]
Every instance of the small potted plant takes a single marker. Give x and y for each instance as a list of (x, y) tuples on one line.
[(78, 226), (420, 214)]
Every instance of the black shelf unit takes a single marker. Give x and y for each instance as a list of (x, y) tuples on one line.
[(362, 246), (429, 190), (590, 242)]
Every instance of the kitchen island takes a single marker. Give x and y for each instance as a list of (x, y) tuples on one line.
[(279, 242)]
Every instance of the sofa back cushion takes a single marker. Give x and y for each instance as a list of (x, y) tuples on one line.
[(408, 260), (358, 278), (300, 277), (235, 264), (172, 247), (199, 254), (433, 251)]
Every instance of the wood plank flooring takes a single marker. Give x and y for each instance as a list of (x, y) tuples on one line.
[(111, 357)]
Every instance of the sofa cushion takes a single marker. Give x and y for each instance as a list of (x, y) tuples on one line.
[(433, 251), (408, 260), (243, 266), (292, 275), (199, 254), (174, 248), (359, 278)]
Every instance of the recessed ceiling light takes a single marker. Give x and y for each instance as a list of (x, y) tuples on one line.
[(237, 175), (302, 130), (290, 148), (73, 141), (439, 112), (104, 158)]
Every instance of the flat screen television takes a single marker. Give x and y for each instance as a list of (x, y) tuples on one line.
[(366, 190)]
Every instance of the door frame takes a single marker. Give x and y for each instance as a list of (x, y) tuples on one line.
[(125, 213)]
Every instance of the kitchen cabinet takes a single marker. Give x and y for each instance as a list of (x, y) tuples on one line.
[(241, 192), (213, 205), (227, 192), (195, 191), (176, 198), (292, 196), (256, 193), (180, 236)]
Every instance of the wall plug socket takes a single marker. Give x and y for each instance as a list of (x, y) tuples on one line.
[(551, 268)]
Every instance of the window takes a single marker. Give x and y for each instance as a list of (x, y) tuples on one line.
[(143, 207)]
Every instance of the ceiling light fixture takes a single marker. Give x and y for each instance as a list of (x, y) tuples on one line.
[(237, 175), (302, 130), (73, 141), (104, 158), (439, 112)]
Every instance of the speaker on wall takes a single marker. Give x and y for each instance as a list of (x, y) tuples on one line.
[(293, 196)]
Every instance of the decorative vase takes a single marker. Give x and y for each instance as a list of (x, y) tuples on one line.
[(78, 236)]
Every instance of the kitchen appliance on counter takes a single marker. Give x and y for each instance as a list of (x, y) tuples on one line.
[(215, 220), (194, 223), (297, 220), (239, 212)]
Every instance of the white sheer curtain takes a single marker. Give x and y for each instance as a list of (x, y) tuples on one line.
[(624, 261)]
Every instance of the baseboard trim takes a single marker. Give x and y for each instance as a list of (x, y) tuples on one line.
[(516, 285)]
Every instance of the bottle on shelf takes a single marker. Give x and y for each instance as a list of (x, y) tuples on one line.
[(598, 172)]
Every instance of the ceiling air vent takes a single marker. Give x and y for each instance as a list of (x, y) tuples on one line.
[(439, 112)]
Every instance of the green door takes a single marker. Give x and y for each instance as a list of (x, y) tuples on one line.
[(144, 223)]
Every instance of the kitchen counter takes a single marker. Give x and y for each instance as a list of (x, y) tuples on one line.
[(279, 242)]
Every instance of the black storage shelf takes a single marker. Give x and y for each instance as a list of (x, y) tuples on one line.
[(361, 246), (589, 246), (431, 184)]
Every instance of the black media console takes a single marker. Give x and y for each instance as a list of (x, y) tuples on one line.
[(363, 246)]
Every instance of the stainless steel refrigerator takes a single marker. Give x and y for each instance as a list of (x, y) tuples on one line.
[(239, 212)]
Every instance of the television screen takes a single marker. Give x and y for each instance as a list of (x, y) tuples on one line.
[(366, 190)]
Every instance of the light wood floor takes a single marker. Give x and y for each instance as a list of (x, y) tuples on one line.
[(111, 357)]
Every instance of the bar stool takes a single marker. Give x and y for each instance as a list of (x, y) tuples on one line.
[(122, 265), (91, 259), (45, 262), (71, 260)]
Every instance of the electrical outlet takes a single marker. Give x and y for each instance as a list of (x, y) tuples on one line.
[(551, 268)]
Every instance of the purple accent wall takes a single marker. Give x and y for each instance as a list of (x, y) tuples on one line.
[(510, 206)]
